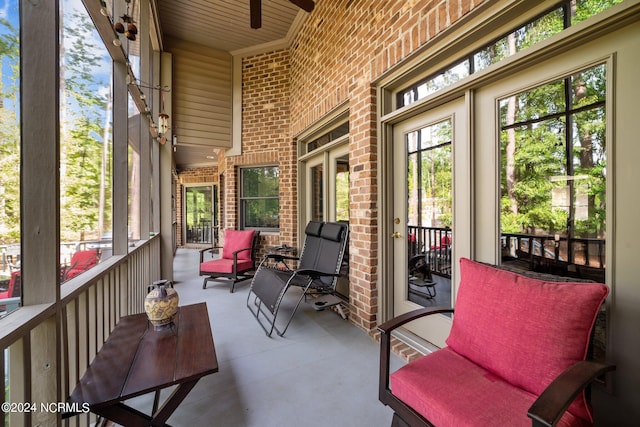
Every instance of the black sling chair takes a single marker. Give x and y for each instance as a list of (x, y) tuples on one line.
[(316, 273)]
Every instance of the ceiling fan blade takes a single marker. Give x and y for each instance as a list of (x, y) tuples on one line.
[(306, 5), (255, 12)]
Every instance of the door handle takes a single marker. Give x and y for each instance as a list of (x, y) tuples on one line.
[(395, 234)]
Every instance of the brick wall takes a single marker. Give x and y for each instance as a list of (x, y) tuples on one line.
[(266, 140), (340, 51), (342, 48)]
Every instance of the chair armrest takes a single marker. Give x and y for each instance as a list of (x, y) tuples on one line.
[(235, 253), (280, 257), (556, 398), (202, 251), (235, 258), (384, 392), (396, 322), (314, 273)]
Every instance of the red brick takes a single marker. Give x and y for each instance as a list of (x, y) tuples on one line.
[(336, 56)]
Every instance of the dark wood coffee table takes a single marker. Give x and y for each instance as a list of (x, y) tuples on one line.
[(137, 360)]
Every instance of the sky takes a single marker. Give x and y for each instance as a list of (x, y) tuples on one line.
[(9, 11)]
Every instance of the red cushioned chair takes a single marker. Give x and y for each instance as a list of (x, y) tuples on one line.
[(237, 259), (81, 261), (13, 289), (515, 355), (10, 297)]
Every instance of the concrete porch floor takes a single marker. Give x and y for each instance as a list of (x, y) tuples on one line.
[(323, 372)]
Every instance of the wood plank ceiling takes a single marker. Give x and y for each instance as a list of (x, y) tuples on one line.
[(223, 25)]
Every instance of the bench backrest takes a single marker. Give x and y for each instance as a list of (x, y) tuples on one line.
[(234, 240), (527, 331)]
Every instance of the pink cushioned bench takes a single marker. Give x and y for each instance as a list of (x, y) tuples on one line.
[(515, 355)]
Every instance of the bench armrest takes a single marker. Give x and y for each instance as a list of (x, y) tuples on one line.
[(556, 398), (235, 253), (384, 392), (396, 322), (210, 248), (202, 251)]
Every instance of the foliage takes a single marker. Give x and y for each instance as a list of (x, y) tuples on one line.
[(9, 135), (84, 105), (584, 9), (430, 179), (259, 197), (553, 151), (559, 158), (342, 196)]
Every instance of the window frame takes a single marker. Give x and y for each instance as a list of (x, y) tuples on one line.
[(478, 29), (562, 240), (321, 155), (243, 199), (410, 88)]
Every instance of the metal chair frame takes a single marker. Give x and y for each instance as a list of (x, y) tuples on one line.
[(311, 276)]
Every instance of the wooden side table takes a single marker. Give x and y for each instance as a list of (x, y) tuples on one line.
[(136, 360)]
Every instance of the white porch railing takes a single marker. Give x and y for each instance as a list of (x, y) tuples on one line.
[(89, 308)]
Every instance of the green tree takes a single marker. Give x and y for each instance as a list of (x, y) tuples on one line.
[(553, 150), (84, 105), (558, 153), (9, 134)]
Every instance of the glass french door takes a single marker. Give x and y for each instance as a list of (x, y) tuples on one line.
[(327, 186), (317, 185), (425, 213), (201, 214), (327, 189)]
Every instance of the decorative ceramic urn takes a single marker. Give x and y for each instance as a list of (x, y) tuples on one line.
[(161, 304)]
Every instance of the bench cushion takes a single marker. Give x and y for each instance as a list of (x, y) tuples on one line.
[(450, 390), (526, 331)]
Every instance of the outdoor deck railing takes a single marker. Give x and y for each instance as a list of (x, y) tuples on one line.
[(435, 244), (583, 258), (89, 308), (553, 254), (581, 251)]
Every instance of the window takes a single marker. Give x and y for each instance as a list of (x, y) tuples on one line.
[(342, 187), (85, 144), (201, 213), (10, 157), (324, 178), (134, 148), (325, 162), (259, 198), (567, 13), (553, 176), (329, 137), (429, 195)]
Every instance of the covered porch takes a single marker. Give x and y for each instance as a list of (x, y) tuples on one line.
[(322, 372), (198, 122)]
